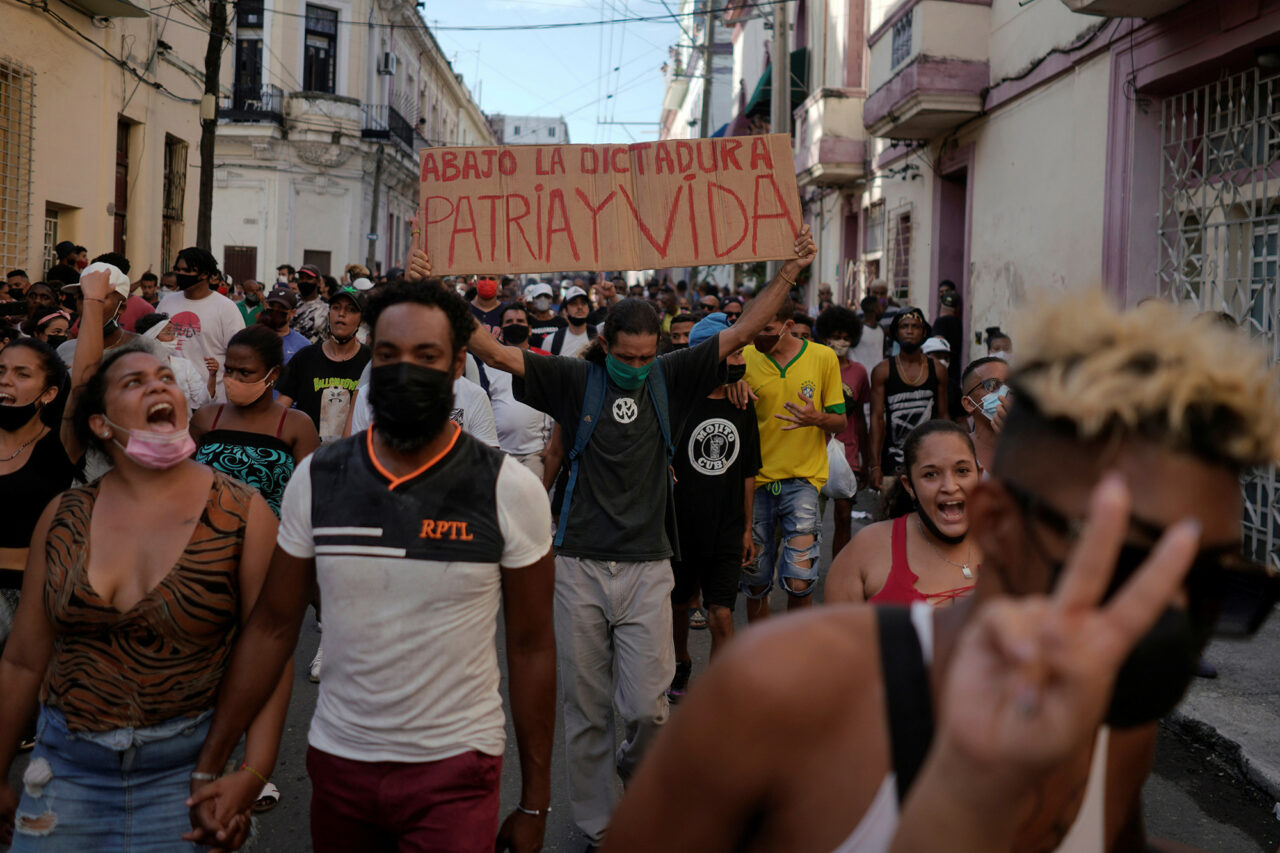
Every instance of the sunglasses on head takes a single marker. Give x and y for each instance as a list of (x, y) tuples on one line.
[(1224, 588)]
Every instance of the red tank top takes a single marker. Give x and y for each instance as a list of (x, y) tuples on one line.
[(900, 586)]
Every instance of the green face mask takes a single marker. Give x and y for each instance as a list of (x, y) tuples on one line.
[(625, 376)]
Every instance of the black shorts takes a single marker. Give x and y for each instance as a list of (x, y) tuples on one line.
[(715, 570)]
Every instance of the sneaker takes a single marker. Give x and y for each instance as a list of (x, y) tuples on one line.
[(698, 619), (315, 665), (680, 684)]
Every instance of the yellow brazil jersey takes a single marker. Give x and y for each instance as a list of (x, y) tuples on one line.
[(798, 453)]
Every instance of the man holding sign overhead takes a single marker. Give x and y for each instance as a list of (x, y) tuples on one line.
[(616, 537)]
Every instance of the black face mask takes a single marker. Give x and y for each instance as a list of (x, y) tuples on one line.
[(734, 373), (186, 280), (576, 321), (515, 334), (252, 300), (15, 417), (909, 348), (933, 528), (307, 287), (272, 318), (411, 403), (56, 341)]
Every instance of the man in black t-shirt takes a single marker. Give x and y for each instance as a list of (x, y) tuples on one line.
[(716, 461), (613, 575), (321, 379)]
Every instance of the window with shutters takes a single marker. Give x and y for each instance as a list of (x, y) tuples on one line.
[(320, 60)]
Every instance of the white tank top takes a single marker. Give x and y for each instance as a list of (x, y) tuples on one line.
[(874, 833)]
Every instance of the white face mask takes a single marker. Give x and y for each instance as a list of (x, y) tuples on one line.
[(1000, 354), (169, 347), (840, 347)]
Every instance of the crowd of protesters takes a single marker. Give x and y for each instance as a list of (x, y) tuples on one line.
[(189, 463)]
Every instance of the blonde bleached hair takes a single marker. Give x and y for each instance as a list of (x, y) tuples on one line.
[(1156, 371)]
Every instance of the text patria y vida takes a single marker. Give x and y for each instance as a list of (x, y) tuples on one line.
[(648, 202)]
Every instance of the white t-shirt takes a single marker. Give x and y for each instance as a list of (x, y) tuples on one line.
[(521, 429), (471, 410), (573, 344), (203, 327), (411, 665), (870, 350)]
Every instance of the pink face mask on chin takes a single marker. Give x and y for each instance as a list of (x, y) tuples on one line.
[(156, 450)]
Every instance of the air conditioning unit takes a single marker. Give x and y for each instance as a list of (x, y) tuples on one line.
[(388, 64)]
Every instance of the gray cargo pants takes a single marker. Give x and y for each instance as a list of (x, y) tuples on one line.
[(613, 639)]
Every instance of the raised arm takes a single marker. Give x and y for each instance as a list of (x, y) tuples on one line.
[(761, 310), (94, 289)]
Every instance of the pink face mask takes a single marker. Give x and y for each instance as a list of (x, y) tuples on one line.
[(157, 450)]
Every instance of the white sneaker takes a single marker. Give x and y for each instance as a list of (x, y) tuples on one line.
[(315, 665)]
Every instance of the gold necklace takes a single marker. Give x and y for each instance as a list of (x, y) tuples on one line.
[(919, 378), (963, 567)]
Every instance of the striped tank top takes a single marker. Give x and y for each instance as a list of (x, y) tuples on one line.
[(165, 656)]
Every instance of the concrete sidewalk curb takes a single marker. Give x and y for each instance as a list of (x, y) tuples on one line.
[(1263, 774)]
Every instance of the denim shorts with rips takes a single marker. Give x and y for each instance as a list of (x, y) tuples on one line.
[(788, 508)]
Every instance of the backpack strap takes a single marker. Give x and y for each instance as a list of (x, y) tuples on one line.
[(557, 341), (909, 704), (592, 404), (657, 385)]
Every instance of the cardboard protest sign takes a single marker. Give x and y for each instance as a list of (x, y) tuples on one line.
[(548, 208)]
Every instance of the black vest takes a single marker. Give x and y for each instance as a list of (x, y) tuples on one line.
[(448, 513)]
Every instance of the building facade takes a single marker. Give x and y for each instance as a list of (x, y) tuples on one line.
[(529, 130), (99, 129), (324, 110), (1021, 149)]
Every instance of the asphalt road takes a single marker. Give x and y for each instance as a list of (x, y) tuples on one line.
[(1191, 797)]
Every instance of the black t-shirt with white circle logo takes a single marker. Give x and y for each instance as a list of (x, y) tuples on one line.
[(620, 502), (719, 449)]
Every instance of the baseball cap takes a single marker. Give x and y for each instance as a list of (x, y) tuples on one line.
[(356, 297), (535, 290), (574, 292), (119, 281), (283, 294), (309, 269), (950, 299), (709, 326), (362, 284), (936, 344)]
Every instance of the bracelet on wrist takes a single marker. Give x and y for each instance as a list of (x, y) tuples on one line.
[(264, 779), (534, 812), (197, 776)]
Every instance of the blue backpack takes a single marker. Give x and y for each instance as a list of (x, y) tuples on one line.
[(592, 405)]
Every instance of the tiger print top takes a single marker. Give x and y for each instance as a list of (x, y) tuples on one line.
[(165, 656)]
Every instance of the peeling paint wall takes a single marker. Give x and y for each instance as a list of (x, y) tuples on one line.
[(1038, 190)]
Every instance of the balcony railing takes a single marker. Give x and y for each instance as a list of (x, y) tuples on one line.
[(382, 121), (250, 103)]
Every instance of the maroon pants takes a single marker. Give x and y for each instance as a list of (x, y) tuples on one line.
[(449, 805)]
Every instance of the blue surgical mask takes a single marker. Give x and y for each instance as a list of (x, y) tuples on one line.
[(991, 402)]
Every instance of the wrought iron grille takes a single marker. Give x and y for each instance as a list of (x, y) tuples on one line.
[(17, 95), (902, 35), (175, 198), (898, 253), (1219, 228)]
